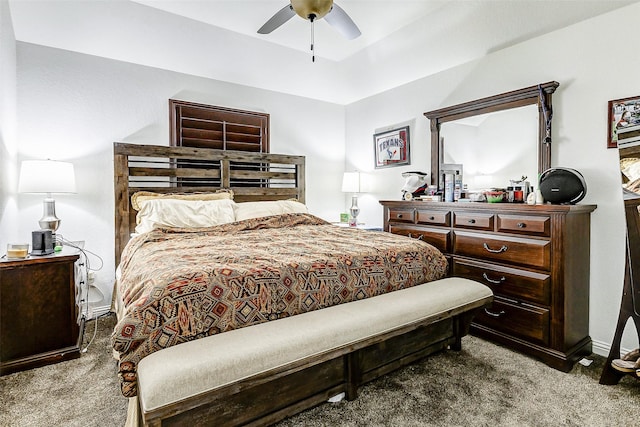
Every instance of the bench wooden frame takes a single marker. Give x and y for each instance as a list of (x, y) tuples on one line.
[(277, 393)]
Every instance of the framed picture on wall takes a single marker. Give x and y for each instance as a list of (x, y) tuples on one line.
[(624, 122), (392, 148)]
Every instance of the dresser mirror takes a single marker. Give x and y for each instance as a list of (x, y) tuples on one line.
[(495, 139)]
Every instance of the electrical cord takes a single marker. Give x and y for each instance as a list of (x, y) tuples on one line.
[(86, 262), (95, 331), (84, 252)]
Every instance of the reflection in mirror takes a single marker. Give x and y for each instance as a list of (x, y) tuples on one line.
[(630, 169), (494, 148)]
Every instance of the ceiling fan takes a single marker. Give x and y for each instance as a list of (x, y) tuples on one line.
[(313, 10)]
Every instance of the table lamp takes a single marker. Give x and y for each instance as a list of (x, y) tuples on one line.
[(48, 177), (351, 184)]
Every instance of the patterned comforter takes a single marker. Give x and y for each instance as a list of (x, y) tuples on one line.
[(180, 285)]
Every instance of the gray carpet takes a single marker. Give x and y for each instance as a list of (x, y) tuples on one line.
[(483, 385)]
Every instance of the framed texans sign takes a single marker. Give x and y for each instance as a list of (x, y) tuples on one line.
[(392, 148)]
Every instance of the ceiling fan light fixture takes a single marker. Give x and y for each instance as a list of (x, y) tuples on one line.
[(307, 8), (312, 10)]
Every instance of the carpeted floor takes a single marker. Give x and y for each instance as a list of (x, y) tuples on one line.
[(483, 385)]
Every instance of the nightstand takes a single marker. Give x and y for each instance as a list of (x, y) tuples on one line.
[(40, 318)]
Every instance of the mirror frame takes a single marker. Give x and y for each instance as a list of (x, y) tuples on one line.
[(504, 101), (632, 216)]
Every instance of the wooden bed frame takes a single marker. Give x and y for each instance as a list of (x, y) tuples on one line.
[(164, 169), (255, 177)]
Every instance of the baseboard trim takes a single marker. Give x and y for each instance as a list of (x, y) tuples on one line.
[(94, 312), (602, 348)]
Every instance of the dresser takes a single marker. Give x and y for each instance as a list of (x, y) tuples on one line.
[(40, 318), (535, 258)]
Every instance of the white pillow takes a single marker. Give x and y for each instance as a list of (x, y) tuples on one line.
[(183, 213), (140, 197), (248, 210)]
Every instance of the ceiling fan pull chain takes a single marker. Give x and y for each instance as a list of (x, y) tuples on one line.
[(313, 51)]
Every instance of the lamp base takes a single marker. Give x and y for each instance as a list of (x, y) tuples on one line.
[(354, 210), (49, 220)]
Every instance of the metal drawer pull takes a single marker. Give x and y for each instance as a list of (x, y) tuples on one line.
[(495, 251), (399, 216), (492, 314), (472, 221), (420, 236), (431, 218), (495, 282), (521, 225)]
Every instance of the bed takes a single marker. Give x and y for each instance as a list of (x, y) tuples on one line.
[(257, 256)]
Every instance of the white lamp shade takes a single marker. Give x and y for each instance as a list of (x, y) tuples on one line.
[(351, 182), (46, 176)]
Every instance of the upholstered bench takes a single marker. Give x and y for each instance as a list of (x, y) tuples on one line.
[(260, 374)]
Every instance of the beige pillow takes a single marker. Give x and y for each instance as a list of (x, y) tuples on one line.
[(248, 210), (140, 197), (630, 167), (161, 212)]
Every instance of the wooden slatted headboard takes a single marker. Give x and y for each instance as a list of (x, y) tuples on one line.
[(162, 169)]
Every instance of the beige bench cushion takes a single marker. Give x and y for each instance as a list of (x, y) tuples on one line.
[(205, 364)]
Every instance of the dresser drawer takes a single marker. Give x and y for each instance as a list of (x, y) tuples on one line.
[(440, 238), (442, 218), (505, 249), (532, 225), (521, 320), (475, 220), (401, 215), (511, 282)]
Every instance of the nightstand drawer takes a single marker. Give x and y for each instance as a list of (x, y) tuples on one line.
[(533, 225), (506, 249), (521, 320), (511, 282), (401, 215), (475, 220), (442, 218), (440, 238)]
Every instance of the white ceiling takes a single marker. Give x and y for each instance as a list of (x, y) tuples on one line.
[(401, 40), (375, 18)]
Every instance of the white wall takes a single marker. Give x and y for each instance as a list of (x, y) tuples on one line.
[(593, 66), (73, 107), (8, 148)]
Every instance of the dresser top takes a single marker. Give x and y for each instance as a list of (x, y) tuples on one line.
[(502, 207)]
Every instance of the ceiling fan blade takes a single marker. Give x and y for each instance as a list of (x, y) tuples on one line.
[(281, 16), (339, 20)]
